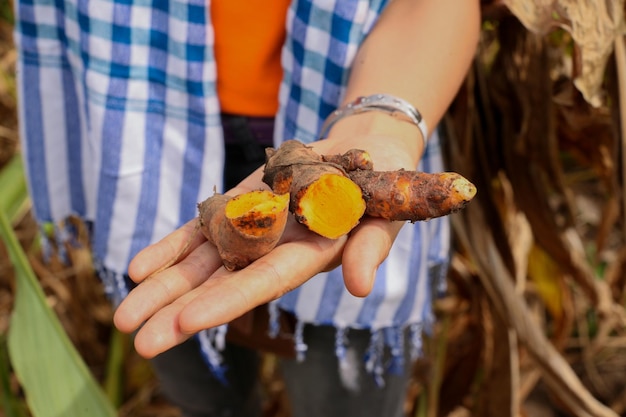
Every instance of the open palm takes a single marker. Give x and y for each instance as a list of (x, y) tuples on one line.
[(197, 292)]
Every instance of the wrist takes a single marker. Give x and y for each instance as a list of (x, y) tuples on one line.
[(382, 103), (381, 135)]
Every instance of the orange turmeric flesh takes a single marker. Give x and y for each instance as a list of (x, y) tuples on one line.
[(330, 206), (255, 213), (244, 228)]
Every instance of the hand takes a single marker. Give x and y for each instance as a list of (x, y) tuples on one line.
[(197, 292)]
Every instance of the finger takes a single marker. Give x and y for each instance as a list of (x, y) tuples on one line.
[(162, 332), (367, 248), (227, 296), (165, 287), (167, 250)]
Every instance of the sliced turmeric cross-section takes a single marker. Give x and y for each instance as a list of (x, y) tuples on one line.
[(257, 212), (323, 198), (331, 206)]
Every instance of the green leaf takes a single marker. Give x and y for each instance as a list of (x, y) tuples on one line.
[(113, 384), (55, 379), (10, 403), (14, 200), (6, 12)]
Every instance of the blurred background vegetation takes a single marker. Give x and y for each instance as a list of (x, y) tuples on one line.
[(533, 323)]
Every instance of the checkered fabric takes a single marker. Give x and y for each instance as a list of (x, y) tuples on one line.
[(120, 118), (120, 127), (323, 38)]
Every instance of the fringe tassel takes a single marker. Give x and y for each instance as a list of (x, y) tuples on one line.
[(211, 344), (62, 237), (298, 339), (395, 340), (416, 342), (341, 341), (374, 357), (114, 283), (46, 246), (428, 323), (63, 233), (349, 369), (274, 319), (213, 341), (220, 337)]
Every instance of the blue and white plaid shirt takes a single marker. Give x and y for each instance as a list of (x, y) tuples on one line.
[(120, 126)]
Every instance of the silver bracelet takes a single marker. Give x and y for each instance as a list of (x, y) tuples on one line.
[(394, 106)]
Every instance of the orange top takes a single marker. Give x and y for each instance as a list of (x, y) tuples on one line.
[(248, 39)]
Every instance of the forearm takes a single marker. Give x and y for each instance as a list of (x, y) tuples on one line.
[(419, 50)]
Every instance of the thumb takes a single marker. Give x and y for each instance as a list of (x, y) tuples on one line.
[(368, 246)]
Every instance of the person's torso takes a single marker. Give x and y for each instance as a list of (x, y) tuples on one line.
[(248, 40)]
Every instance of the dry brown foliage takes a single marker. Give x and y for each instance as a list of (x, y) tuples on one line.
[(538, 271)]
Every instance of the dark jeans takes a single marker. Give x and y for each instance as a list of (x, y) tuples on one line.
[(187, 382), (315, 386), (322, 386)]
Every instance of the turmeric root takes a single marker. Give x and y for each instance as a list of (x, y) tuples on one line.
[(351, 160), (245, 227), (404, 195), (327, 193), (322, 196), (323, 204), (412, 195)]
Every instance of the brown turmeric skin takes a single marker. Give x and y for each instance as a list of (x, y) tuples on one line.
[(351, 160), (412, 195), (243, 228)]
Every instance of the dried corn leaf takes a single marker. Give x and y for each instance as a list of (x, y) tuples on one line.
[(468, 333), (503, 379), (508, 134), (550, 285), (546, 276), (41, 352), (499, 285), (593, 24), (520, 86)]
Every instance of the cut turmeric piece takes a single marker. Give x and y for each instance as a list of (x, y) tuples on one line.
[(330, 206), (244, 228), (255, 213), (322, 197)]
